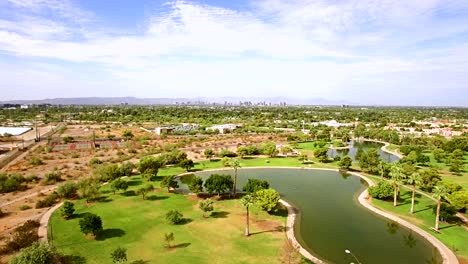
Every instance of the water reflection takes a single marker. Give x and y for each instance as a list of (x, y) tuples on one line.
[(409, 239), (392, 227)]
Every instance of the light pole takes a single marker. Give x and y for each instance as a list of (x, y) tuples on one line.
[(347, 251)]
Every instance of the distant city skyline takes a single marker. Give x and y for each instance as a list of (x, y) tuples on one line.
[(369, 52)]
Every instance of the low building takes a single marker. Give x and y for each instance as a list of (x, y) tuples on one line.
[(163, 130), (223, 129)]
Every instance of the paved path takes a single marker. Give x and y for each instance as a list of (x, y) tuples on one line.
[(44, 223)]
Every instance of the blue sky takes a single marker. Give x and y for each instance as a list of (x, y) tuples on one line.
[(412, 52)]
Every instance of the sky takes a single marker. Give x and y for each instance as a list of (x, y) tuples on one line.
[(384, 52)]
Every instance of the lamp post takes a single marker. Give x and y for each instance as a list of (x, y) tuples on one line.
[(347, 251)]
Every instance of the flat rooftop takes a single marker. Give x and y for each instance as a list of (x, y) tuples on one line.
[(15, 131)]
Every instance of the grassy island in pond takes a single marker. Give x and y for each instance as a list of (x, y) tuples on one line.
[(140, 226)]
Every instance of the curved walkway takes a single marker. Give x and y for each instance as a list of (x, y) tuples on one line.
[(384, 148), (447, 255), (44, 223)]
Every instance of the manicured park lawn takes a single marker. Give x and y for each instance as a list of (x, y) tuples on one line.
[(453, 235), (139, 225)]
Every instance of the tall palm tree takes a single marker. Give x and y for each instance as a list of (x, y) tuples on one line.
[(396, 174), (438, 192), (382, 168), (414, 179), (235, 165), (247, 201)]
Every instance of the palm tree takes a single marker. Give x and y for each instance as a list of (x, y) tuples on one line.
[(414, 179), (382, 168), (247, 201), (438, 192), (235, 165), (396, 173)]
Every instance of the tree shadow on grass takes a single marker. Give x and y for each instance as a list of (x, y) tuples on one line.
[(181, 245), (155, 198), (72, 259), (103, 199), (283, 212), (449, 226), (221, 214), (80, 215), (128, 193), (134, 182), (276, 229), (184, 221), (106, 191), (422, 210), (140, 261), (110, 233)]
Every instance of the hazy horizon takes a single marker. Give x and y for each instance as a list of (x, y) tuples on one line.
[(367, 52)]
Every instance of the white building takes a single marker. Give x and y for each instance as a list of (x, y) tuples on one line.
[(222, 129)]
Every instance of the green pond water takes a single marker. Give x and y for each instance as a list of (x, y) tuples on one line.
[(365, 146), (331, 219)]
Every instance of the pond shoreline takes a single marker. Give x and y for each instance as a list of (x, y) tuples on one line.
[(447, 255)]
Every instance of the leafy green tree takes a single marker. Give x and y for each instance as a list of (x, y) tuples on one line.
[(439, 154), (168, 239), (303, 157), (68, 209), (206, 206), (209, 153), (321, 154), (459, 200), (438, 192), (67, 190), (345, 162), (242, 151), (186, 164), (91, 224), (37, 253), (174, 217), (456, 165), (382, 166), (267, 199), (396, 176), (119, 184), (126, 169), (145, 190), (89, 189), (149, 165), (235, 164), (430, 178), (247, 201), (383, 190), (269, 149), (119, 255), (218, 183), (254, 185), (414, 180), (196, 185), (169, 182), (226, 161)]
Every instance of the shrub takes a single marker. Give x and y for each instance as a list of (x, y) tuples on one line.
[(22, 236), (24, 207), (254, 185), (174, 217), (36, 161), (49, 201), (206, 206), (196, 185), (53, 177), (383, 190), (11, 183), (119, 255), (227, 153), (95, 161), (67, 190), (267, 199), (37, 253)]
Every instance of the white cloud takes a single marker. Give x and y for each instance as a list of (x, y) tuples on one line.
[(317, 48)]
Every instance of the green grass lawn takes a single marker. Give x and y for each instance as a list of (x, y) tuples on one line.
[(453, 235), (139, 225)]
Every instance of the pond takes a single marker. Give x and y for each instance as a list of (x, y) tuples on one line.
[(365, 146), (331, 219)]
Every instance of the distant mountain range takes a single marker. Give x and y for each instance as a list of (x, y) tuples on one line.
[(165, 101)]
